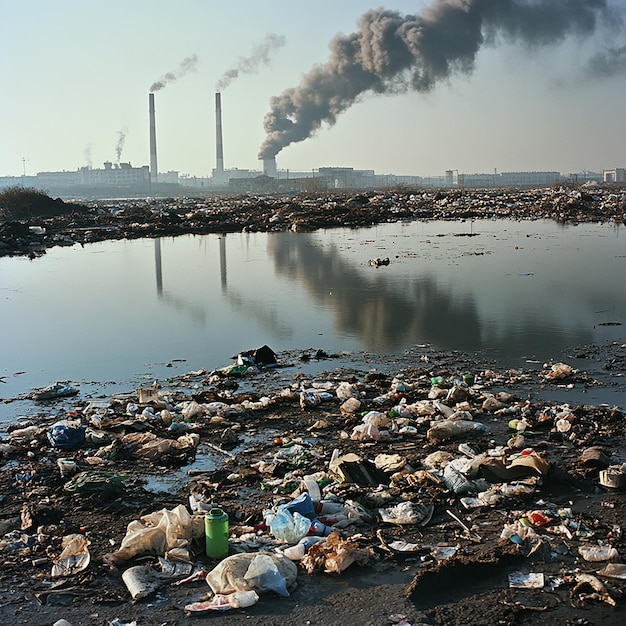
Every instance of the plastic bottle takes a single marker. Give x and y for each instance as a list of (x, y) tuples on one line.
[(216, 533), (598, 553)]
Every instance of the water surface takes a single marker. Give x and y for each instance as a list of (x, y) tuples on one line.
[(123, 311)]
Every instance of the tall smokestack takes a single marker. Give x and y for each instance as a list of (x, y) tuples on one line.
[(269, 167), (219, 147), (154, 171)]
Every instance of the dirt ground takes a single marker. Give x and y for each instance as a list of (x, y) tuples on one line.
[(469, 587)]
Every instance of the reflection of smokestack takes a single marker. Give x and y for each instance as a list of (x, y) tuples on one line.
[(158, 266), (269, 167), (219, 155), (223, 262), (154, 172)]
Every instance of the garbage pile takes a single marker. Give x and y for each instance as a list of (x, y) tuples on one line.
[(135, 218), (445, 470)]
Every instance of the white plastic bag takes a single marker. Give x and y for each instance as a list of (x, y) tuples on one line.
[(263, 574)]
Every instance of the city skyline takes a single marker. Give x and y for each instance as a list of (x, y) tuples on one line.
[(77, 93)]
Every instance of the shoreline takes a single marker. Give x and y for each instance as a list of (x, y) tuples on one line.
[(100, 220)]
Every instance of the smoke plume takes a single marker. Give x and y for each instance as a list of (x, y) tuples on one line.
[(188, 64), (119, 146), (394, 53), (608, 63), (87, 155), (249, 65)]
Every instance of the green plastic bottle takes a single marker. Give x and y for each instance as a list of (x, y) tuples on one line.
[(216, 533)]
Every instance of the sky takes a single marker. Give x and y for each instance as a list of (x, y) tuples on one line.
[(76, 75)]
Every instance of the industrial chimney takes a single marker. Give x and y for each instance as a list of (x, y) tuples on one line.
[(154, 171), (219, 147), (269, 167)]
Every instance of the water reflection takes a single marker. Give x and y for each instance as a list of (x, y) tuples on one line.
[(387, 313), (514, 291), (196, 311)]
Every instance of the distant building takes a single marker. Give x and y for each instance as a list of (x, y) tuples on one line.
[(617, 175), (113, 174)]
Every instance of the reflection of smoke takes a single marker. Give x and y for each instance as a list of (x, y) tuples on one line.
[(608, 63), (87, 155), (260, 56), (188, 64), (392, 53), (121, 139), (388, 314)]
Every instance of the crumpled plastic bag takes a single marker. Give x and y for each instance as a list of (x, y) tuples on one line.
[(407, 513), (66, 434), (263, 574), (74, 558), (157, 533), (231, 574), (286, 526), (366, 432)]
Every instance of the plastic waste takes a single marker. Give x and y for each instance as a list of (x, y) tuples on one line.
[(313, 488), (230, 574), (614, 570), (28, 432), (559, 371), (287, 527), (156, 533), (94, 481), (445, 410), (598, 553), (67, 467), (351, 405), (52, 392), (450, 429), (66, 434), (141, 581), (407, 513), (74, 558), (346, 390), (216, 533), (297, 552), (455, 479), (263, 573), (221, 602)]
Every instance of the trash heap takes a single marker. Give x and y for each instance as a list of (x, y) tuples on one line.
[(102, 220), (441, 470)]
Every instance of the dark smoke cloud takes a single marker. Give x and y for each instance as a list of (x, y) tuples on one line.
[(608, 63), (394, 53), (119, 146), (188, 64), (249, 65)]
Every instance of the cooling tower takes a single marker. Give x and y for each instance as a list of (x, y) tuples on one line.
[(154, 171), (219, 147)]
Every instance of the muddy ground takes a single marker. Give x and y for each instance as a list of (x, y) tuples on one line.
[(469, 587)]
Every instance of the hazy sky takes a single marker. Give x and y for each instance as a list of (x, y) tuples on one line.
[(76, 74)]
